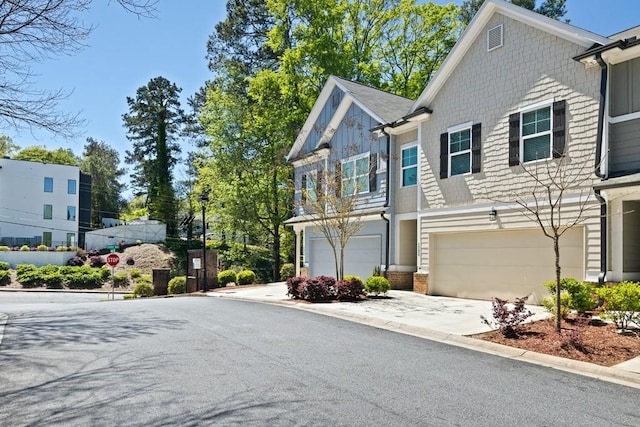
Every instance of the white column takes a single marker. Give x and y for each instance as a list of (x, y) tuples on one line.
[(298, 248)]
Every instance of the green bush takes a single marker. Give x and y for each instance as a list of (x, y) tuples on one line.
[(135, 273), (246, 277), (42, 248), (621, 303), (121, 279), (29, 276), (574, 295), (105, 272), (82, 279), (350, 277), (53, 280), (225, 277), (5, 277), (287, 271), (25, 248), (4, 248), (177, 285), (4, 265), (143, 290), (145, 278), (129, 296), (62, 249), (376, 285)]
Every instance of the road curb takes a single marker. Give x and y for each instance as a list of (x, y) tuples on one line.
[(610, 374)]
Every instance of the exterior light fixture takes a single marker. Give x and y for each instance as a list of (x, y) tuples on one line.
[(493, 215)]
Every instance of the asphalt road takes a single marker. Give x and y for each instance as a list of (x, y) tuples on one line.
[(208, 361)]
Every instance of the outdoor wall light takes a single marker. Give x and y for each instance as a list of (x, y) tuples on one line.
[(493, 215)]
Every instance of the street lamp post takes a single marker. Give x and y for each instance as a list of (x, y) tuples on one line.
[(203, 200)]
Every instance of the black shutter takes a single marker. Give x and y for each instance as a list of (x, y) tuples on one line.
[(373, 169), (338, 179), (476, 144), (444, 155), (319, 181), (514, 139), (303, 189), (559, 125)]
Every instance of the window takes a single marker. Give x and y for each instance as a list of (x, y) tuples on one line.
[(48, 212), (71, 239), (46, 238), (460, 152), (355, 176), (48, 185), (537, 133), (309, 185), (409, 166), (71, 186), (71, 213)]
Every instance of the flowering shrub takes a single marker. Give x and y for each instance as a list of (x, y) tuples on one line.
[(96, 261), (75, 261), (314, 289), (293, 284), (508, 320), (348, 289)]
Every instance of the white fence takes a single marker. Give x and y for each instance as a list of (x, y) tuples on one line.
[(144, 231), (37, 258)]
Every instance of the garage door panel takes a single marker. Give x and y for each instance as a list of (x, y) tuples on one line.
[(361, 255), (504, 264)]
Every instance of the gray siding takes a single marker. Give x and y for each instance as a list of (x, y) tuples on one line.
[(321, 124), (625, 88), (624, 147), (631, 230)]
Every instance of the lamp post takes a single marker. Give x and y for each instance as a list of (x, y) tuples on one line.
[(203, 200)]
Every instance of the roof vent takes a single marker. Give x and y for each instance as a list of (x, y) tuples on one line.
[(494, 38)]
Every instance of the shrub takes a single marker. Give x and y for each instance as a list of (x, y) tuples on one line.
[(579, 296), (62, 249), (287, 271), (129, 296), (144, 278), (376, 271), (42, 248), (135, 273), (5, 277), (53, 280), (621, 303), (246, 277), (143, 290), (75, 261), (225, 277), (105, 272), (4, 248), (25, 248), (4, 265), (96, 261), (29, 276), (508, 320), (376, 285), (130, 261), (177, 285), (121, 279), (293, 284), (327, 280), (83, 279), (348, 289), (93, 252), (314, 289)]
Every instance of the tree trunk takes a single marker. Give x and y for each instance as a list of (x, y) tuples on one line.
[(556, 249)]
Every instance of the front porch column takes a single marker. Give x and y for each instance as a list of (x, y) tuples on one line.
[(298, 248)]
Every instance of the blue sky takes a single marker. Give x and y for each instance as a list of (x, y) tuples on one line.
[(125, 52)]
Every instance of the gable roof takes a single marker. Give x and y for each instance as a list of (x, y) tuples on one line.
[(475, 28), (382, 106)]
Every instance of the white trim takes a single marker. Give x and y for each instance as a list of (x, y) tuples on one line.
[(624, 117), (402, 168), (460, 127), (536, 106), (450, 155), (313, 158), (419, 191)]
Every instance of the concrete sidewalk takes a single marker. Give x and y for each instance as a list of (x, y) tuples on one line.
[(443, 319)]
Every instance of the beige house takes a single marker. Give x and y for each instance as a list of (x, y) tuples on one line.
[(510, 97)]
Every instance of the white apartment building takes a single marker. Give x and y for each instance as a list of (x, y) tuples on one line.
[(43, 203)]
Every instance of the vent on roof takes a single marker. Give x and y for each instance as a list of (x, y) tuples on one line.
[(494, 38), (335, 100)]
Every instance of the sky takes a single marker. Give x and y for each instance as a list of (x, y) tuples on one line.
[(124, 53)]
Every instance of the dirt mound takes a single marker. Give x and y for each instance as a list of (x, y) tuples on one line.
[(146, 257)]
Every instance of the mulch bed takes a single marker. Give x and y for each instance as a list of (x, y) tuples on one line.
[(595, 341)]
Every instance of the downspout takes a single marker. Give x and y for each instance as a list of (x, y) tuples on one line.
[(603, 237), (601, 112), (386, 203), (598, 169)]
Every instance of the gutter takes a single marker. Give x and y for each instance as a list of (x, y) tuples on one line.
[(386, 204), (603, 237)]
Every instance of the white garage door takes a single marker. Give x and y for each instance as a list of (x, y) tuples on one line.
[(361, 255), (505, 264)]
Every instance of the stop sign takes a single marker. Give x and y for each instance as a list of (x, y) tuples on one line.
[(113, 259)]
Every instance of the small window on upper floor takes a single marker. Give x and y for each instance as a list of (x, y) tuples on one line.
[(71, 213), (355, 175), (537, 132), (48, 184), (47, 212), (71, 186), (461, 150), (409, 166), (494, 37)]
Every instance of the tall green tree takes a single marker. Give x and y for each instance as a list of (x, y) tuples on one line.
[(102, 162), (58, 156), (555, 9), (154, 122)]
